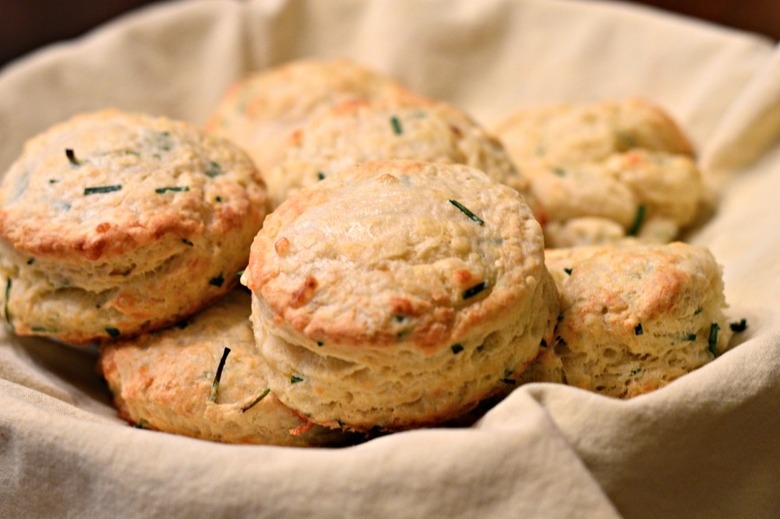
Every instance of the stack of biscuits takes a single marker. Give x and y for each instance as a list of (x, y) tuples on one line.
[(403, 264)]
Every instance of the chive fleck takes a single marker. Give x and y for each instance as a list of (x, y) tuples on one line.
[(254, 402), (213, 169), (31, 261), (635, 371), (39, 329), (476, 289), (217, 281), (543, 343), (102, 189), (141, 424), (182, 324), (396, 124), (240, 273), (568, 271), (218, 199), (185, 241), (53, 180), (698, 310), (507, 378), (113, 332), (712, 340), (467, 212), (320, 344), (72, 157), (690, 337), (8, 284), (739, 326), (173, 189), (638, 220), (320, 175), (456, 348), (638, 329), (559, 171), (218, 375), (295, 379)]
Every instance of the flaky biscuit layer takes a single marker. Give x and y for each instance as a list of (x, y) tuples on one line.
[(634, 317), (113, 223), (165, 381), (389, 305)]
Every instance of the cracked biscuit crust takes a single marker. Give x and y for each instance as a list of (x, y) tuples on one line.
[(398, 293), (113, 223)]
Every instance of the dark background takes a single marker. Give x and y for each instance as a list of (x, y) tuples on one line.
[(26, 25)]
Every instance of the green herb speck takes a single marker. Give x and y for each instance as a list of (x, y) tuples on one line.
[(72, 157), (396, 124), (172, 189), (8, 284), (182, 324), (638, 220), (217, 281), (102, 189), (320, 175), (568, 271), (638, 329), (559, 171), (295, 379), (739, 326), (213, 169), (476, 289), (507, 378), (31, 261), (712, 340), (113, 332), (185, 241), (218, 375), (467, 212), (254, 402), (39, 329), (690, 337), (456, 348), (320, 344), (698, 311)]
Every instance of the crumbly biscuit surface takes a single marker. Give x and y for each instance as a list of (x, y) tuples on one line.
[(114, 222), (165, 381), (411, 128), (634, 317), (606, 170), (260, 111), (392, 305)]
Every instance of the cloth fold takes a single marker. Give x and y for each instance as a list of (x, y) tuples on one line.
[(704, 446)]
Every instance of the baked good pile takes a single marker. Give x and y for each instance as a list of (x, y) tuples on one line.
[(400, 264)]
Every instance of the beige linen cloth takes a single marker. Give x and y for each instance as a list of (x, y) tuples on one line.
[(708, 445)]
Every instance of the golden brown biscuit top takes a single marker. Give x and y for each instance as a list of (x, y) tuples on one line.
[(391, 252), (411, 128), (106, 183)]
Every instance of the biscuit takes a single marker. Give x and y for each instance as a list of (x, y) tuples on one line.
[(573, 134), (633, 317), (414, 129), (163, 381), (397, 294), (115, 223), (261, 110), (606, 171)]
